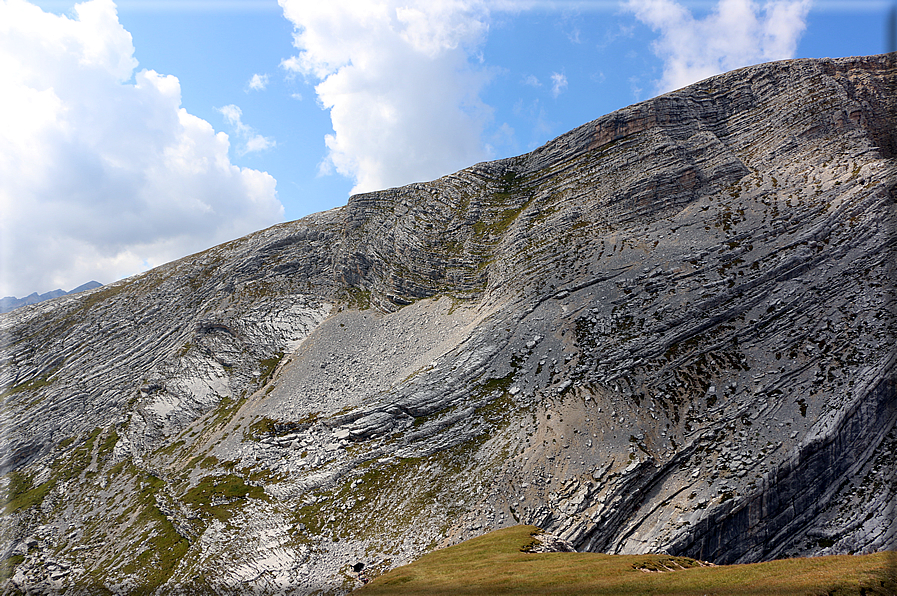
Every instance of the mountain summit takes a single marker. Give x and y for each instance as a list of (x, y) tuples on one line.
[(668, 330)]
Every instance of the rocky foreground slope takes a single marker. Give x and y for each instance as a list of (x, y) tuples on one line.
[(671, 329)]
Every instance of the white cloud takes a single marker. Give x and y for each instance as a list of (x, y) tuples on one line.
[(257, 143), (736, 33), (258, 82), (252, 141), (558, 83), (532, 81), (503, 137), (635, 88), (233, 114), (395, 75), (102, 173)]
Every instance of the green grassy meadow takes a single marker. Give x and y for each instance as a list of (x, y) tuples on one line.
[(497, 564)]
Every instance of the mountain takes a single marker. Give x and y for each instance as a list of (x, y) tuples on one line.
[(11, 302), (668, 330)]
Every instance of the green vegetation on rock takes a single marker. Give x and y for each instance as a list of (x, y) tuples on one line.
[(218, 496), (21, 494)]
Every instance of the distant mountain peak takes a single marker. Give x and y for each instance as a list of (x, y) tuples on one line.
[(11, 302)]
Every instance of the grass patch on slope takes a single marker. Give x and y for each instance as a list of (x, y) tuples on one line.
[(496, 564), (218, 496), (161, 546), (22, 494)]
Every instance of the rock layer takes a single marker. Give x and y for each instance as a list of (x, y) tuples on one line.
[(670, 329)]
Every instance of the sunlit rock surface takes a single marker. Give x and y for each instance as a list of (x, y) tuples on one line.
[(671, 329)]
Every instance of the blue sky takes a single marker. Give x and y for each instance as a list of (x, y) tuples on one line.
[(114, 117)]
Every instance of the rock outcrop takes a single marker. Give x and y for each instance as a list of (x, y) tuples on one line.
[(671, 329)]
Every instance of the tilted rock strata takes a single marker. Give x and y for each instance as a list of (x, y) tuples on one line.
[(670, 329)]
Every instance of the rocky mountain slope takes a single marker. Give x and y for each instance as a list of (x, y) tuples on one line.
[(671, 329)]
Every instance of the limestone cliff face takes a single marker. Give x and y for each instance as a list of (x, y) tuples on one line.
[(671, 329)]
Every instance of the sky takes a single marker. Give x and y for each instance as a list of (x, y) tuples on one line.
[(137, 132)]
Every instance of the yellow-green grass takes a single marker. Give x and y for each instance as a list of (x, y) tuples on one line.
[(496, 564)]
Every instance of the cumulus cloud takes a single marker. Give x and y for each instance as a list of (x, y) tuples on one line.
[(403, 96), (102, 173), (532, 81), (558, 83), (258, 82), (251, 140), (736, 33)]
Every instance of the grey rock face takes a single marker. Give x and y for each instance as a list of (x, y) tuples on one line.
[(546, 543), (671, 329)]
